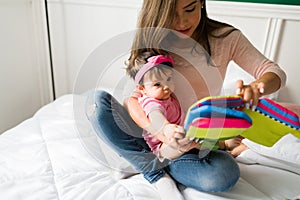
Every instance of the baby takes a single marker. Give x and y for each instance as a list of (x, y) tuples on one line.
[(154, 81)]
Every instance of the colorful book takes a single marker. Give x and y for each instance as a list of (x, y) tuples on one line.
[(223, 117)]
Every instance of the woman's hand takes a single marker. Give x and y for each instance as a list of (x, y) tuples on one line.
[(176, 147), (250, 93), (177, 139), (170, 132), (266, 84), (184, 145)]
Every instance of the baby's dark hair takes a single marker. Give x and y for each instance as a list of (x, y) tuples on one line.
[(141, 60), (138, 64), (157, 71)]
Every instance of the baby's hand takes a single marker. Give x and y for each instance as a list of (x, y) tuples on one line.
[(173, 131)]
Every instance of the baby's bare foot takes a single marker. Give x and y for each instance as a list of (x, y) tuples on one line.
[(238, 150)]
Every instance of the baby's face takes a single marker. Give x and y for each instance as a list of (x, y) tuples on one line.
[(159, 87)]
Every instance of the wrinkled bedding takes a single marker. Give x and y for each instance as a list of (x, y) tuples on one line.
[(56, 155)]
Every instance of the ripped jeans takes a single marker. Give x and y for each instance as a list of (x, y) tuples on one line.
[(217, 171)]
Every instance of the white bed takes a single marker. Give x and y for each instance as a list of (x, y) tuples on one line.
[(56, 155)]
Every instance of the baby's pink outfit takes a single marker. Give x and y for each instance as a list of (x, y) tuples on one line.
[(170, 108)]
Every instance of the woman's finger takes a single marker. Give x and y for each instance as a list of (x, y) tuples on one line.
[(190, 145), (261, 88), (255, 97), (248, 94), (239, 86), (257, 92), (184, 143), (180, 129), (179, 135)]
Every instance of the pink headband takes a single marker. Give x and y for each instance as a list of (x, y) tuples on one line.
[(152, 62)]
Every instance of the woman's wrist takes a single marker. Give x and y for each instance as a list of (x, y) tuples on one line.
[(271, 82), (168, 152)]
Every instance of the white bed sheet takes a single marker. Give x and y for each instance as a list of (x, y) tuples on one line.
[(56, 155)]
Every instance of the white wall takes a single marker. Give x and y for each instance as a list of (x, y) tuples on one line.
[(78, 27), (24, 68)]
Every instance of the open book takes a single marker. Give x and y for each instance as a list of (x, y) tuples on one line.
[(223, 117)]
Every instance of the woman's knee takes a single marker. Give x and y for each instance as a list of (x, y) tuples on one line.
[(97, 99), (217, 172), (102, 98), (225, 172)]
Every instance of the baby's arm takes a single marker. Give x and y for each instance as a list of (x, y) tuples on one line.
[(158, 125), (175, 143), (136, 112), (161, 128), (154, 123), (157, 122)]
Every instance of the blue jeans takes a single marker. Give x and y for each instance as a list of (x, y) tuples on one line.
[(215, 172)]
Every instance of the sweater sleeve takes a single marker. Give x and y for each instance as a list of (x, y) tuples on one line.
[(251, 60)]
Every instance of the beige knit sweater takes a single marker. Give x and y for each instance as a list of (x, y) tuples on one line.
[(197, 78)]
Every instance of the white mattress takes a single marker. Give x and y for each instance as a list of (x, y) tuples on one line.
[(56, 155)]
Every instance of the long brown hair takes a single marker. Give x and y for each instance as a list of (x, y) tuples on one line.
[(154, 24), (207, 27)]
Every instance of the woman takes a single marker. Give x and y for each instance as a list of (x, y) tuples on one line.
[(192, 33)]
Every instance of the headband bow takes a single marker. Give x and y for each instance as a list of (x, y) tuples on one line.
[(152, 62)]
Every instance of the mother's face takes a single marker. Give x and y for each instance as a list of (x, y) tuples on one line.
[(188, 16)]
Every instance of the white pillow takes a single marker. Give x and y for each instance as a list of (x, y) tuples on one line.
[(285, 154)]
